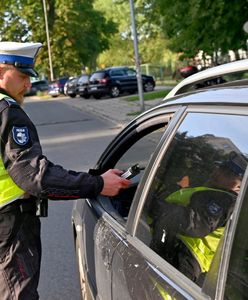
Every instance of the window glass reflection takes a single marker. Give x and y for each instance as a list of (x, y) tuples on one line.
[(194, 190)]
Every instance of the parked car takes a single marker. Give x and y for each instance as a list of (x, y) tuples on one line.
[(36, 86), (116, 80), (83, 85), (124, 249), (56, 87), (71, 87), (40, 85)]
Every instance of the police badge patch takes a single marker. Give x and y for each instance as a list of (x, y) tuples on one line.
[(20, 135), (214, 208)]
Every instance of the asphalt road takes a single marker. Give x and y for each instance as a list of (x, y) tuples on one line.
[(75, 140)]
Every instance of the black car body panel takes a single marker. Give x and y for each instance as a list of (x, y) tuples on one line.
[(82, 86), (113, 233), (37, 86), (116, 80), (71, 87)]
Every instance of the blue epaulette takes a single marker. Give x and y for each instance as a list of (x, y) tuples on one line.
[(7, 102), (10, 101)]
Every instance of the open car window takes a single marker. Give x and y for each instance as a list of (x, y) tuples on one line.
[(138, 148)]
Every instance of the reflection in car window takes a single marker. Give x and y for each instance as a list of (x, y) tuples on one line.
[(193, 192), (131, 72), (237, 278)]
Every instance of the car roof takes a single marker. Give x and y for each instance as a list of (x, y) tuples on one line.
[(237, 95), (111, 68), (225, 69)]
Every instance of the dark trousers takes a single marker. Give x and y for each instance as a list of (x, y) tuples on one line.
[(20, 254)]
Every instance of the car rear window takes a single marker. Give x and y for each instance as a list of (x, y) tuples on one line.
[(98, 75), (83, 79)]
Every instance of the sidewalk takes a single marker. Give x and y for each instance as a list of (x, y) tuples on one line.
[(116, 110)]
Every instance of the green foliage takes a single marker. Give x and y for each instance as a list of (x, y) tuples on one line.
[(78, 32), (153, 46), (149, 96), (98, 33), (210, 26)]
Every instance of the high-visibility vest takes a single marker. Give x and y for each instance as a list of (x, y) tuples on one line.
[(204, 248), (9, 191)]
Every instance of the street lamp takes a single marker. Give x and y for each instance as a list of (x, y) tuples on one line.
[(48, 41), (137, 61)]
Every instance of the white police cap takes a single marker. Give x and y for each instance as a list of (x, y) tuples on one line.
[(20, 55)]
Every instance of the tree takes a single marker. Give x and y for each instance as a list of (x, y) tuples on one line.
[(215, 27), (153, 46), (78, 32)]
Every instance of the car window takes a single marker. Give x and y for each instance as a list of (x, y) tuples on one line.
[(136, 148), (138, 154), (117, 72), (131, 72), (83, 79), (237, 278), (98, 75), (141, 151), (193, 191)]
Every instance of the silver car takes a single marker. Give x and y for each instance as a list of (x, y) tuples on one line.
[(180, 230)]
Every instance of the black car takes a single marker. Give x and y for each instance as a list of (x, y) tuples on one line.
[(116, 80), (133, 246), (71, 87), (82, 86), (36, 86)]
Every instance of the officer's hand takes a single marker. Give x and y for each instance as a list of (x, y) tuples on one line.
[(113, 183)]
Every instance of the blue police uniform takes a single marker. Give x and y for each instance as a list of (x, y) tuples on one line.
[(25, 176)]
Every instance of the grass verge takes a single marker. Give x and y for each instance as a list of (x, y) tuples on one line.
[(149, 96)]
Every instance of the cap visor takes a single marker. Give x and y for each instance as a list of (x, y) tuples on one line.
[(28, 71)]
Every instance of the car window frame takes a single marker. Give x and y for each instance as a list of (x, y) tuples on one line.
[(141, 194), (135, 131), (117, 73)]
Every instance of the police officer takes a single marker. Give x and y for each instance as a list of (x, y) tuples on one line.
[(188, 232), (27, 177)]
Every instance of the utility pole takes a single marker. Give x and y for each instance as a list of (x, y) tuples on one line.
[(48, 41), (137, 60)]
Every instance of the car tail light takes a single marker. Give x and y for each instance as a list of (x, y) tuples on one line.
[(104, 80)]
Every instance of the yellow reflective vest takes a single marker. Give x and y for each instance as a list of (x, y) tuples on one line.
[(203, 248), (9, 191)]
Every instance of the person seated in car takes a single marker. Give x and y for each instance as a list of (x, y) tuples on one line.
[(188, 231)]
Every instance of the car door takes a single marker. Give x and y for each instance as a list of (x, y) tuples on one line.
[(135, 145), (132, 79), (186, 156), (118, 78)]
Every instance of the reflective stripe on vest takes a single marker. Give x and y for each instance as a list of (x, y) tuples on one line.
[(9, 191), (203, 249)]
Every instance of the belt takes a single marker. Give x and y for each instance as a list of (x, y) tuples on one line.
[(21, 205)]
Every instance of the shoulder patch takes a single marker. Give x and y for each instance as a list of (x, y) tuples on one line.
[(214, 208), (20, 135)]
